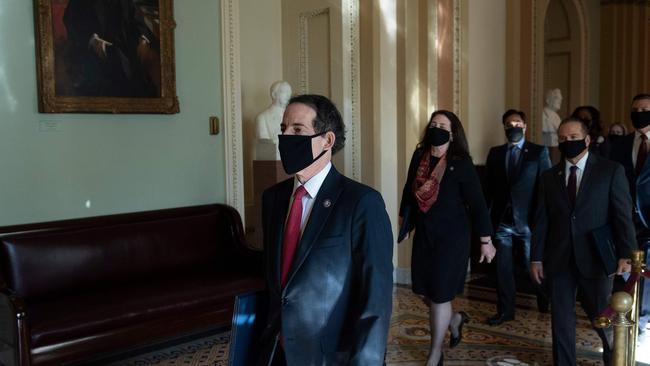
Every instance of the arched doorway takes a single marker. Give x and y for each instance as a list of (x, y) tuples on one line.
[(564, 53)]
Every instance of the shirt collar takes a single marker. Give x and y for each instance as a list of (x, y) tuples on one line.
[(637, 134), (312, 186), (581, 163), (519, 144)]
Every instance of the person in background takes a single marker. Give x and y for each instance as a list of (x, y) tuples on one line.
[(443, 201), (512, 175), (582, 195), (617, 129), (631, 152)]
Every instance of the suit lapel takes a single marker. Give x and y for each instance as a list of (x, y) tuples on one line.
[(324, 203), (560, 179), (500, 160), (585, 182), (282, 208)]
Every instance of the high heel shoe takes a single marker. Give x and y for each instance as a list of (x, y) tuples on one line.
[(453, 341)]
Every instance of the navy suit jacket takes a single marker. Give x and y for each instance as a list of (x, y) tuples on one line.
[(561, 235), (621, 152), (521, 192), (335, 307)]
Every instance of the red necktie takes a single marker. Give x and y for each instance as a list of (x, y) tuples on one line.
[(572, 185), (292, 232), (641, 155)]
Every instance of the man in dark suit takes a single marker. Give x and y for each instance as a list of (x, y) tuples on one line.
[(328, 247), (577, 197), (512, 173), (631, 151)]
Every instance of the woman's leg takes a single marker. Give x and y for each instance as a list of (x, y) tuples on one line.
[(439, 316)]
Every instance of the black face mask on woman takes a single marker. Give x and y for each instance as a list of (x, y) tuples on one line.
[(437, 136), (296, 153), (640, 119), (572, 148)]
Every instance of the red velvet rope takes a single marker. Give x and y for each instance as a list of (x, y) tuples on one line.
[(629, 287)]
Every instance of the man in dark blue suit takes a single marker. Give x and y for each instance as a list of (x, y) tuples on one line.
[(631, 152), (513, 171), (328, 247)]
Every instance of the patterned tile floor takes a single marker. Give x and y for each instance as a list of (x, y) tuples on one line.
[(525, 341)]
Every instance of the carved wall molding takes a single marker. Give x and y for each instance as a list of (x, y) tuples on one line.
[(232, 109), (457, 49), (303, 63), (352, 83)]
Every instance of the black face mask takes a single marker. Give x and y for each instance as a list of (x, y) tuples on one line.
[(437, 136), (614, 139), (514, 134), (295, 152), (573, 148), (640, 119)]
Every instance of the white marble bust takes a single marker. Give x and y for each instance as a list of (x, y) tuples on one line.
[(268, 122), (550, 119)]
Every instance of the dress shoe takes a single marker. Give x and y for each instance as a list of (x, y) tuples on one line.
[(500, 319), (453, 341)]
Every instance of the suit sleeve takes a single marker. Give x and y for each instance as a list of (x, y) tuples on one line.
[(372, 258), (406, 192), (621, 214), (80, 21), (544, 161), (540, 225), (488, 189), (472, 193), (544, 164)]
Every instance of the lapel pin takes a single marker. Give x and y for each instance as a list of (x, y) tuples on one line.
[(327, 203)]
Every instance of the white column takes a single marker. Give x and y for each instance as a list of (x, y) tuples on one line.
[(385, 106)]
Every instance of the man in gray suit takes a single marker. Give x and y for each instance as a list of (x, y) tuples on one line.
[(582, 194)]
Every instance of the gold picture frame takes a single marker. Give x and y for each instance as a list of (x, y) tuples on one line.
[(89, 61)]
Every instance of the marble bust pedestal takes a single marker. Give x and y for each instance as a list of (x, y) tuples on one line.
[(265, 174)]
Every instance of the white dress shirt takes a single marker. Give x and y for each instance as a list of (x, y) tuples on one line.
[(581, 169), (312, 186), (635, 145)]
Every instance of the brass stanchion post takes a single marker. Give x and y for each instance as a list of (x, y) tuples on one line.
[(637, 267), (621, 303)]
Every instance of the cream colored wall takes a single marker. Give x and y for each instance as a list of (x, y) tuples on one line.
[(486, 76), (592, 9), (261, 65)]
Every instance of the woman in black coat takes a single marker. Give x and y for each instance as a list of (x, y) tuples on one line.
[(443, 201)]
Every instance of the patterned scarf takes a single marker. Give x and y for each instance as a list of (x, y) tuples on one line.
[(427, 185)]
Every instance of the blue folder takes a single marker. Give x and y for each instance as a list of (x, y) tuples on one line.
[(248, 322)]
